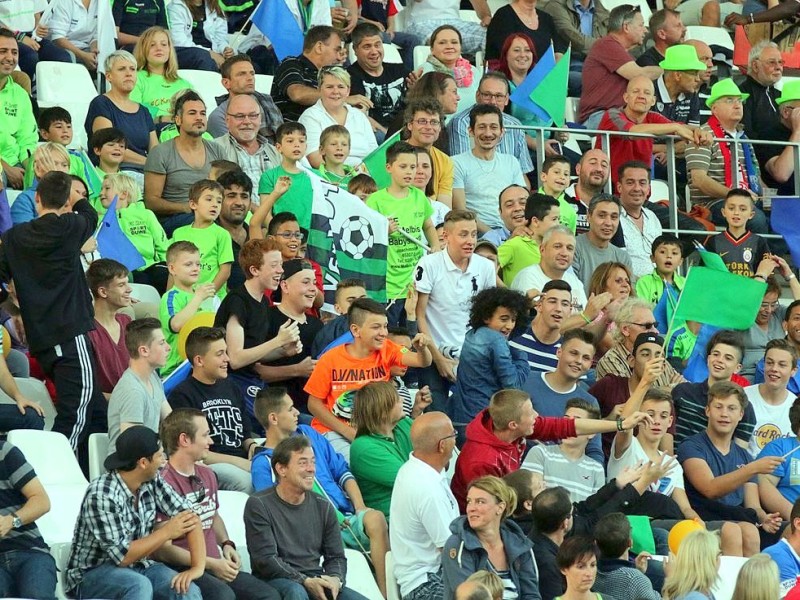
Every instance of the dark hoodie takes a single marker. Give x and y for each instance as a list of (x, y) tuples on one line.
[(486, 454), (463, 555)]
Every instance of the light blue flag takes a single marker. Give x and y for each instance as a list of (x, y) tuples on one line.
[(521, 95), (784, 220), (274, 19), (113, 243)]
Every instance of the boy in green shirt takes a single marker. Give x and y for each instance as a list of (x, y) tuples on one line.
[(213, 241), (183, 300), (108, 145), (541, 213), (667, 255), (291, 143), (334, 147), (408, 210), (555, 179)]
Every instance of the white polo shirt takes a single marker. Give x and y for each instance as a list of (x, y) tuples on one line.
[(533, 278), (419, 523), (450, 291)]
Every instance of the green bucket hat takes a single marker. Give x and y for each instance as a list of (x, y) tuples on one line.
[(682, 57), (723, 88), (791, 91)]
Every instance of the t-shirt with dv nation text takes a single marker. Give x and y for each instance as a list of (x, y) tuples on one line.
[(214, 243), (337, 372), (410, 213)]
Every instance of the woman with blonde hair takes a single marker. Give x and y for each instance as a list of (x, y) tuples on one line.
[(615, 278), (490, 581), (694, 570), (157, 78), (383, 440), (487, 539), (758, 579), (332, 109)]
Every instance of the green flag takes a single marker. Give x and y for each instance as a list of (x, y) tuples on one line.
[(551, 93), (700, 300), (376, 162)]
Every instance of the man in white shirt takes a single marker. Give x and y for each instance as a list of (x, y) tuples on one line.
[(771, 400), (446, 281), (420, 523), (480, 174), (640, 226)]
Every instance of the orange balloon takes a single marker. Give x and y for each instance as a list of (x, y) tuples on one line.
[(201, 319), (679, 531)]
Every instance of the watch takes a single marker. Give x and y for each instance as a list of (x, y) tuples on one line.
[(16, 522)]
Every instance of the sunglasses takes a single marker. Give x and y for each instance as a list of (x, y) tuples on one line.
[(199, 487)]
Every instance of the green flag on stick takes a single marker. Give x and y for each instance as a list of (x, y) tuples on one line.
[(376, 162), (700, 299)]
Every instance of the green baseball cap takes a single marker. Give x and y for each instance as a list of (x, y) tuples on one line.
[(790, 91), (723, 88), (682, 57)]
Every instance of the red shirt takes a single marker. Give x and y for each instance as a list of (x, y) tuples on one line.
[(624, 150), (603, 87), (112, 357)]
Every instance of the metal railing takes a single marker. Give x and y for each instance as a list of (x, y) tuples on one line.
[(538, 133)]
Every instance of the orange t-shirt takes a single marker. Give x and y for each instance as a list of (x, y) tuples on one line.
[(338, 372)]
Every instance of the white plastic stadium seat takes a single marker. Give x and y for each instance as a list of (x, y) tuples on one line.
[(717, 36), (74, 98), (58, 525), (98, 451), (208, 84), (659, 190), (33, 389), (646, 12), (50, 455), (231, 509), (729, 567), (421, 54), (145, 293), (264, 83), (359, 575), (392, 587), (60, 553), (469, 15)]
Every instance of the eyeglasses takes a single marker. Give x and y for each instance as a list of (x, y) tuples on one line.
[(243, 116), (290, 235), (651, 325), (492, 96), (775, 62), (449, 437), (632, 11), (426, 122), (199, 487)]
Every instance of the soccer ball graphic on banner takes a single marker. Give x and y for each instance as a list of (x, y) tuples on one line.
[(356, 237)]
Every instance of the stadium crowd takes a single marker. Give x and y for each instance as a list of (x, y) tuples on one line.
[(520, 416)]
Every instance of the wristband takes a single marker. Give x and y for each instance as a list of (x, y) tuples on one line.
[(620, 427), (791, 276), (228, 543), (584, 317), (759, 276)]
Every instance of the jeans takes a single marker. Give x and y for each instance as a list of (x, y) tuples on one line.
[(27, 574), (132, 583), (439, 386), (575, 77), (396, 312), (171, 223), (291, 590), (244, 587), (406, 42), (195, 58), (231, 477), (11, 418)]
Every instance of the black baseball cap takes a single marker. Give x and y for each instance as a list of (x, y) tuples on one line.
[(647, 338), (132, 444), (294, 266)]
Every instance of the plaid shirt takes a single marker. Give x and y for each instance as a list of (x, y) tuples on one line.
[(111, 519), (266, 158)]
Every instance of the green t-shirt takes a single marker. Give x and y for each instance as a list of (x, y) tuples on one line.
[(297, 200), (216, 249), (403, 255), (155, 92), (341, 180), (79, 165), (142, 228), (515, 254), (173, 302), (569, 216), (375, 461), (680, 342)]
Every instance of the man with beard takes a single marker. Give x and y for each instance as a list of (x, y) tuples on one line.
[(243, 144), (238, 190), (592, 172), (481, 174), (174, 166)]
